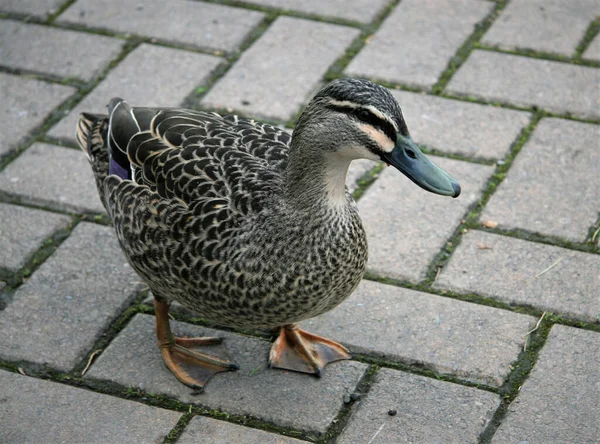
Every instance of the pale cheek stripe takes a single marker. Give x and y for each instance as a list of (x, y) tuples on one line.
[(382, 140)]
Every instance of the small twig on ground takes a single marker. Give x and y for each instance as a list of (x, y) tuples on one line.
[(527, 335), (595, 234), (437, 274), (376, 433), (20, 370), (549, 268), (90, 361)]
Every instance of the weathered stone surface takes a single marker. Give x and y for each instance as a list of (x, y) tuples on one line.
[(286, 398), (196, 23), (524, 81), (469, 129), (33, 410), (58, 313), (55, 51), (593, 51), (552, 187), (208, 430), (357, 10), (149, 76), (543, 25), (358, 168), (260, 83), (40, 8), (427, 411), (55, 176), (22, 232), (559, 400), (406, 226), (416, 42), (453, 337), (25, 104), (522, 272)]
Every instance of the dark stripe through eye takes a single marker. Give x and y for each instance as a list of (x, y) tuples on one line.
[(366, 116)]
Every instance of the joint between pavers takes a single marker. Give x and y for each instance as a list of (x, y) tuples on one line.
[(44, 77), (59, 10), (462, 54), (591, 32), (540, 55), (366, 180)]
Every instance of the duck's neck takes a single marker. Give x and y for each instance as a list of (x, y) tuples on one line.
[(317, 179)]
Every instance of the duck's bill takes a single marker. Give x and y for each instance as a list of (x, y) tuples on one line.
[(408, 158)]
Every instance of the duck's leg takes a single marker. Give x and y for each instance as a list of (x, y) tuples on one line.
[(172, 347), (298, 350)]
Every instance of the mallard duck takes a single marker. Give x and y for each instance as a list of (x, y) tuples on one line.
[(241, 222)]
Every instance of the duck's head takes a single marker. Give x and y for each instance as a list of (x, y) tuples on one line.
[(354, 119)]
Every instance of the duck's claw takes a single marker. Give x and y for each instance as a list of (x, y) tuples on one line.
[(176, 351), (300, 351)]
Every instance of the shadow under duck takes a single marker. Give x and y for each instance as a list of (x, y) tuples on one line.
[(241, 222)]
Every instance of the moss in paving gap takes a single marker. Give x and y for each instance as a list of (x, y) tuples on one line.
[(286, 12), (592, 31), (43, 76), (341, 420), (179, 428), (62, 8), (465, 50), (521, 369), (366, 180), (49, 246), (593, 235), (541, 55)]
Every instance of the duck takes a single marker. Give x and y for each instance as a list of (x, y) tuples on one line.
[(243, 223)]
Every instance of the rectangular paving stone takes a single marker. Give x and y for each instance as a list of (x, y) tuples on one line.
[(195, 23), (23, 231), (149, 76), (407, 226), (54, 176), (208, 430), (517, 271), (288, 399), (357, 10), (39, 8), (34, 410), (260, 84), (64, 307), (25, 104), (417, 41), (593, 51), (559, 400), (470, 341), (525, 81), (428, 411), (464, 128), (542, 25), (552, 187), (55, 51)]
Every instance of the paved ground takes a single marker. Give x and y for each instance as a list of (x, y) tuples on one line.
[(479, 320)]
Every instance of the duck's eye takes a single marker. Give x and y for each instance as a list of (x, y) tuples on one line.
[(363, 115)]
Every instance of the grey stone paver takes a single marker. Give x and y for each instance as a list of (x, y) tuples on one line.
[(552, 187), (39, 8), (453, 337), (427, 411), (64, 307), (528, 273), (357, 10), (54, 176), (469, 129), (287, 398), (358, 168), (407, 226), (559, 400), (34, 410), (260, 83), (416, 41), (201, 24), (22, 232), (543, 25), (208, 430), (149, 76), (25, 104), (524, 81), (593, 51), (55, 51)]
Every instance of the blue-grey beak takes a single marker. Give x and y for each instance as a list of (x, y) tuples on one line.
[(408, 158)]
